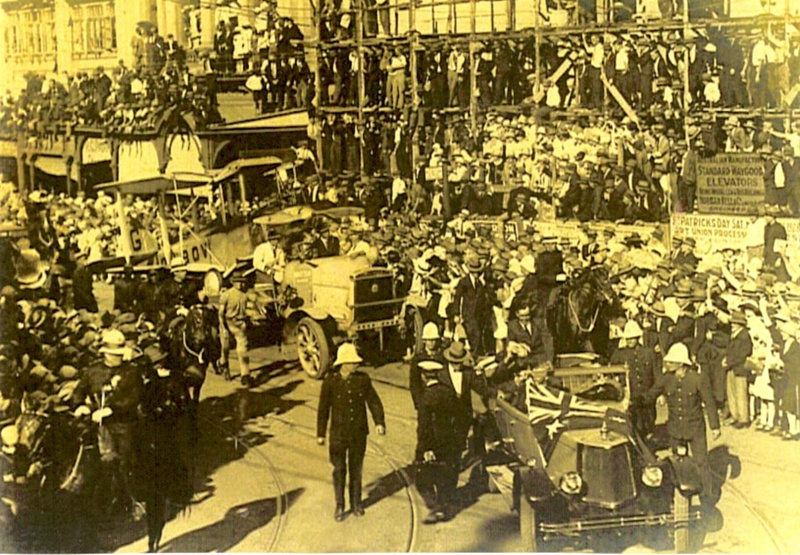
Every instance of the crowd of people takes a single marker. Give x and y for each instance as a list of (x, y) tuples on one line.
[(270, 56), (583, 167), (128, 101), (79, 388), (484, 289)]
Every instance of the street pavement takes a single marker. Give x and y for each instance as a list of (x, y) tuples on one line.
[(265, 485)]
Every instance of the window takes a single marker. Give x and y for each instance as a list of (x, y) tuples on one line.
[(93, 29), (30, 33)]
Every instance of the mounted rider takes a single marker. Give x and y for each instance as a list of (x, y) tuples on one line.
[(110, 390)]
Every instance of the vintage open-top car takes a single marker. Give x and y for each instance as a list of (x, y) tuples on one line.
[(578, 468), (332, 298)]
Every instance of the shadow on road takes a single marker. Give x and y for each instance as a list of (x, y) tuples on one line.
[(273, 370), (386, 486), (68, 525), (496, 532), (239, 522)]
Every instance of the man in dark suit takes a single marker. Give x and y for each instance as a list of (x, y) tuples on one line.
[(534, 335), (326, 243), (438, 451), (344, 399), (687, 394), (739, 349), (472, 306), (685, 255), (463, 380)]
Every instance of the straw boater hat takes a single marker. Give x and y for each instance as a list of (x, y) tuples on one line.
[(113, 343), (456, 352)]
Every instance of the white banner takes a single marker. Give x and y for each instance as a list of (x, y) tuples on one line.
[(716, 232)]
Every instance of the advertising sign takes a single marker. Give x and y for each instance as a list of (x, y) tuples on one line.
[(731, 183)]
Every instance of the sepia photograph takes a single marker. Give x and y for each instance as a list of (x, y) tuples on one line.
[(334, 276)]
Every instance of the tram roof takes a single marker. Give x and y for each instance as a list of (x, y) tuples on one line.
[(187, 183)]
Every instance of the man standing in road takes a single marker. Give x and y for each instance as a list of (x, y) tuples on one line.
[(463, 380), (346, 394), (431, 351), (232, 322), (438, 452), (687, 391)]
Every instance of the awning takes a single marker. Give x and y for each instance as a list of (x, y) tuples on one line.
[(186, 183), (295, 119), (237, 165), (286, 216), (302, 213)]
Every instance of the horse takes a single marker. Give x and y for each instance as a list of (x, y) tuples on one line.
[(55, 469), (579, 319), (192, 344), (167, 451)]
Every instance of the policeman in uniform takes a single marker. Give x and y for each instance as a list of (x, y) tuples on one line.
[(110, 391), (346, 394), (232, 322), (438, 452), (643, 371), (431, 351), (686, 392)]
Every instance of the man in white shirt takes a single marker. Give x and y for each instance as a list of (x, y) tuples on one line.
[(269, 257), (455, 74), (396, 80), (593, 88)]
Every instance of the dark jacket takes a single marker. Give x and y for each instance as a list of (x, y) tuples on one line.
[(436, 421), (685, 400), (471, 302), (739, 349), (344, 402), (123, 399), (469, 383), (539, 340), (415, 384), (643, 367), (326, 248)]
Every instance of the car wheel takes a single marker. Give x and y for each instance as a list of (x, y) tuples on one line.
[(312, 348), (413, 330), (528, 525), (680, 511)]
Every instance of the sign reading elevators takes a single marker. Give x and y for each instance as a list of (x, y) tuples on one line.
[(730, 184)]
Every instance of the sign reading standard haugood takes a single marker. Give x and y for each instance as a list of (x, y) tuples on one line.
[(730, 184)]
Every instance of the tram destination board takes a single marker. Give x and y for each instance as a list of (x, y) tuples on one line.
[(730, 184)]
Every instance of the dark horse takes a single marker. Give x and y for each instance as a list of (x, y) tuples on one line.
[(171, 426), (579, 319), (167, 451), (193, 344)]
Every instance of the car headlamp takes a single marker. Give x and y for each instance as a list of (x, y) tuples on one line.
[(571, 483), (652, 476)]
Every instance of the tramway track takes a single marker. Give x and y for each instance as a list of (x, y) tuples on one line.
[(310, 432), (763, 521), (282, 499)]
